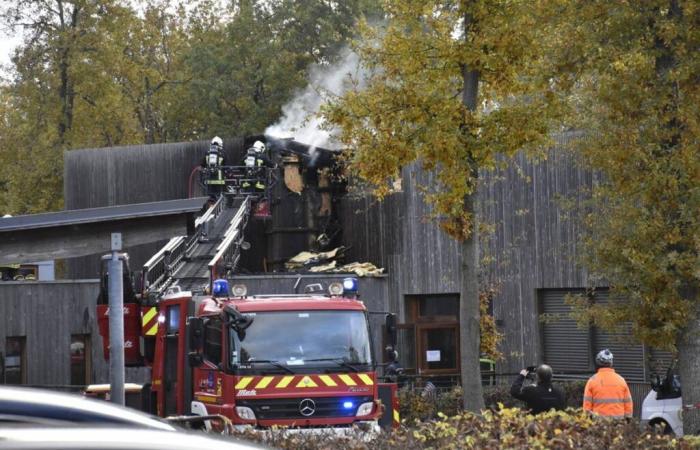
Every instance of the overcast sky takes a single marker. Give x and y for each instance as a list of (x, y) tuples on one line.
[(7, 43)]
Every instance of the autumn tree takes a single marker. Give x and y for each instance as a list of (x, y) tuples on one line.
[(447, 85), (630, 71), (151, 70), (43, 103)]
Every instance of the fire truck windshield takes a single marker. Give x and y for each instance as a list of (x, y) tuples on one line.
[(297, 339)]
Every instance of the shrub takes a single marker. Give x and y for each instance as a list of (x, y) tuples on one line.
[(504, 428), (413, 405)]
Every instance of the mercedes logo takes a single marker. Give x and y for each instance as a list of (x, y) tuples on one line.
[(307, 407)]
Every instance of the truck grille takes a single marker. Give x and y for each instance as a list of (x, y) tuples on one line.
[(289, 408)]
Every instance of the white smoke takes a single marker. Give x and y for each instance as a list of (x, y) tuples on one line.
[(300, 117)]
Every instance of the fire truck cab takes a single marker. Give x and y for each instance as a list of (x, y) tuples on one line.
[(288, 360)]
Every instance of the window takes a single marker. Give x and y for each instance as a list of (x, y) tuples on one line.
[(80, 361), (15, 360), (428, 343), (212, 340)]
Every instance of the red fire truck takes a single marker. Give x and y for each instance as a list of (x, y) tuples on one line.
[(299, 360), (288, 360)]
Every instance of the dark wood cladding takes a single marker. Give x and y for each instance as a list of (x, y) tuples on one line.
[(397, 234), (47, 314), (532, 244), (135, 174)]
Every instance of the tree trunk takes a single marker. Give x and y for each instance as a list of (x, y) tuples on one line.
[(149, 122), (65, 93), (689, 367), (469, 323), (473, 399)]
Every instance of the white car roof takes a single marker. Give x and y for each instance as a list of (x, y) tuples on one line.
[(18, 402), (84, 438)]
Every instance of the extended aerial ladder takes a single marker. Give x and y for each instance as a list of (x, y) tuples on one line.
[(193, 262), (187, 263)]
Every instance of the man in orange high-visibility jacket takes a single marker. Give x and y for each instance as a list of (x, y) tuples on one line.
[(606, 392)]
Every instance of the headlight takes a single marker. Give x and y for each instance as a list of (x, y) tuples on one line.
[(245, 413), (365, 409), (239, 290), (335, 289)]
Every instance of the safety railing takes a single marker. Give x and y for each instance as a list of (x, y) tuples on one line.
[(242, 180), (202, 224), (228, 251), (156, 271), (160, 268)]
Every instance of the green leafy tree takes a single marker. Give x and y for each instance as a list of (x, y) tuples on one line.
[(448, 86), (151, 70), (631, 71), (247, 68)]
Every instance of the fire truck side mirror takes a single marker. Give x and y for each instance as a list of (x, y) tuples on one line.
[(390, 327)]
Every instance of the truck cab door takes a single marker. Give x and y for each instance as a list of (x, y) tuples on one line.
[(172, 376)]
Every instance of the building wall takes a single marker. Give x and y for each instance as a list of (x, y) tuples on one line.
[(397, 235), (46, 314), (149, 173), (531, 243), (532, 207)]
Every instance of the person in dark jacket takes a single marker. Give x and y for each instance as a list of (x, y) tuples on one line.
[(542, 396)]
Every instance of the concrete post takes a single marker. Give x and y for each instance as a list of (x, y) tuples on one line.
[(116, 323)]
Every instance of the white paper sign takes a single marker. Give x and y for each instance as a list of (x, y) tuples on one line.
[(432, 355)]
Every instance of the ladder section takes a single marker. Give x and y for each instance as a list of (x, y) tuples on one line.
[(228, 252), (183, 261)]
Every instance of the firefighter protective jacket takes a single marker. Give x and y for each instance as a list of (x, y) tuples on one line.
[(607, 395)]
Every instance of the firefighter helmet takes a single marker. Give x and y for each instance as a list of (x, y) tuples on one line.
[(259, 147), (217, 143)]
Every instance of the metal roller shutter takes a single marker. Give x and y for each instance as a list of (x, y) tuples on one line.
[(629, 357), (566, 347)]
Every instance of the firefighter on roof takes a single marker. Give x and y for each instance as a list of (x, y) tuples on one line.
[(254, 162), (212, 163)]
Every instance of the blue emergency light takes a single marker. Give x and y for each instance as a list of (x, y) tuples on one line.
[(347, 405), (350, 286), (220, 288)]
